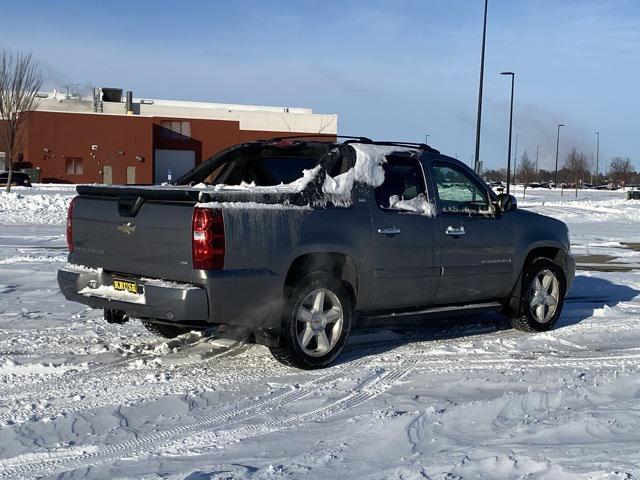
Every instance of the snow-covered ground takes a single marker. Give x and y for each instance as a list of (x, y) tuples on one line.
[(452, 399)]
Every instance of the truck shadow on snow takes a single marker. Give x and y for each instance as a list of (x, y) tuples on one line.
[(587, 295)]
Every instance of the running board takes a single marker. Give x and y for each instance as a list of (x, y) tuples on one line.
[(440, 311)]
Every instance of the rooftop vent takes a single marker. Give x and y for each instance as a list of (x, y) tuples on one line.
[(111, 94)]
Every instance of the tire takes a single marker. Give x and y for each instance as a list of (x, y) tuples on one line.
[(164, 330), (540, 303), (316, 322)]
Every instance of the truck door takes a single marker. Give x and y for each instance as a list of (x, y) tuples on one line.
[(478, 246), (405, 271)]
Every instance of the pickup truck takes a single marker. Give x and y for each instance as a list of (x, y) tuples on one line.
[(292, 241)]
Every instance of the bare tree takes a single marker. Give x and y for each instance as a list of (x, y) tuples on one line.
[(496, 175), (526, 171), (577, 167), (20, 81), (620, 170)]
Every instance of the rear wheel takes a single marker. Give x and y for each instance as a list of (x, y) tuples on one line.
[(316, 323), (164, 330), (543, 291)]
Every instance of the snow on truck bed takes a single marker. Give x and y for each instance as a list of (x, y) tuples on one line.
[(464, 399)]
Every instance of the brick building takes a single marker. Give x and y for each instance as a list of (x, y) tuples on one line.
[(75, 139)]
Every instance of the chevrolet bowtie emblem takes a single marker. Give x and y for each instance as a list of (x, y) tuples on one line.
[(127, 228)]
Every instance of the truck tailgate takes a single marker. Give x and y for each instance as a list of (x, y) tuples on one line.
[(153, 240)]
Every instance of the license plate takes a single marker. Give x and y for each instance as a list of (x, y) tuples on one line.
[(125, 285)]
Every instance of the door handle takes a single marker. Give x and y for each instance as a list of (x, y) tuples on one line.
[(389, 231), (454, 231)]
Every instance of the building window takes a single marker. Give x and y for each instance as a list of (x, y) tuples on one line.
[(175, 130), (73, 166)]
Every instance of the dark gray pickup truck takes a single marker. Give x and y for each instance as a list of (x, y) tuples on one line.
[(293, 240)]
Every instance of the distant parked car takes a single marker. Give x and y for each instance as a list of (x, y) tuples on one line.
[(19, 179)]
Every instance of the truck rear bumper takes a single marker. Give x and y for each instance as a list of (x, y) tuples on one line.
[(161, 300)]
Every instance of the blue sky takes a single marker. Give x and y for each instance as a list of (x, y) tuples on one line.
[(392, 70)]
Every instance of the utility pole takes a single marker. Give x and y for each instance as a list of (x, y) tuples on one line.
[(555, 177), (597, 157), (537, 155), (484, 38), (513, 78), (515, 161)]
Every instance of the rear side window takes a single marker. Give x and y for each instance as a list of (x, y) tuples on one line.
[(270, 171), (263, 164), (457, 191), (403, 187)]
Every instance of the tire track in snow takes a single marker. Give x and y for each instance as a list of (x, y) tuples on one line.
[(88, 395), (372, 385), (88, 383), (464, 361), (76, 378), (366, 391)]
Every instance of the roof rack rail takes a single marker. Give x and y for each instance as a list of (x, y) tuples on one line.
[(422, 146), (319, 135), (354, 139)]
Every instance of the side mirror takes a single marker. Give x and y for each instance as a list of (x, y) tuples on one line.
[(507, 203)]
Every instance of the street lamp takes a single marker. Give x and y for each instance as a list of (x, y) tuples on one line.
[(513, 78), (537, 155), (555, 178), (484, 38), (515, 161), (597, 157)]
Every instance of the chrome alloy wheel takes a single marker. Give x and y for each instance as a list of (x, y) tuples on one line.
[(544, 296), (319, 322)]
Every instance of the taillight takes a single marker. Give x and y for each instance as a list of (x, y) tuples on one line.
[(70, 224), (207, 230)]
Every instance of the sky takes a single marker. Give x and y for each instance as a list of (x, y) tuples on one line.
[(394, 70)]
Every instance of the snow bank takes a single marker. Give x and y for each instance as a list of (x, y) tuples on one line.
[(33, 259), (587, 210), (26, 208)]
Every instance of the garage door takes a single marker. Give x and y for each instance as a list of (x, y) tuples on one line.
[(172, 164)]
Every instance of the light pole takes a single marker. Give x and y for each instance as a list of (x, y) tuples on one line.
[(513, 77), (597, 157), (515, 162), (537, 156), (484, 38), (555, 177)]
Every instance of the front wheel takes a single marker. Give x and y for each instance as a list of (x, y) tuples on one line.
[(543, 291), (316, 323)]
